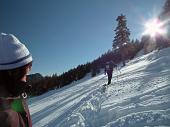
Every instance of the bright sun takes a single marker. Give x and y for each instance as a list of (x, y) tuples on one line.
[(154, 27)]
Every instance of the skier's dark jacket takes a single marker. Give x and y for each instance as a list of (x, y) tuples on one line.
[(13, 109), (110, 67)]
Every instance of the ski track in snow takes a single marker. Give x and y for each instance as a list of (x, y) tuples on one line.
[(139, 96)]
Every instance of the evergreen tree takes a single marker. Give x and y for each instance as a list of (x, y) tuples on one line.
[(122, 33), (121, 39), (163, 42), (166, 10)]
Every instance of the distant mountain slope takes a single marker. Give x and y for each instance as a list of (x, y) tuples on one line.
[(34, 77), (139, 96)]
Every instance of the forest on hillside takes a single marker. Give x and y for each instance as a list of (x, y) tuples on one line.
[(122, 49)]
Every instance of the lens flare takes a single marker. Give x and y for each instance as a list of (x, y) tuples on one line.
[(154, 27)]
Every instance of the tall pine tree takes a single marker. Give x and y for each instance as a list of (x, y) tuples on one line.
[(165, 16), (121, 39), (122, 33), (166, 10)]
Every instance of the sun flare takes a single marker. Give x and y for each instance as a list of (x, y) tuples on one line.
[(154, 27)]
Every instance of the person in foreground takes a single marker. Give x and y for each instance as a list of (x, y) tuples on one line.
[(15, 64)]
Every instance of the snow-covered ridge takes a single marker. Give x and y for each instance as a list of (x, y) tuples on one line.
[(139, 96)]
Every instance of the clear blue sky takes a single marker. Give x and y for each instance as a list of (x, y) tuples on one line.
[(62, 34)]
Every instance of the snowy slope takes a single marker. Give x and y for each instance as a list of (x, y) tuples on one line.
[(139, 96)]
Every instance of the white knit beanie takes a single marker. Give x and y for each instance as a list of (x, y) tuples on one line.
[(13, 53)]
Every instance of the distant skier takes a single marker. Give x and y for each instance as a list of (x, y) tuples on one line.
[(109, 70)]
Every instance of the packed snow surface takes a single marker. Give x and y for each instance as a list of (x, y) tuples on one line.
[(139, 96)]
